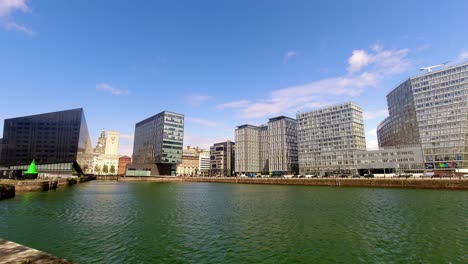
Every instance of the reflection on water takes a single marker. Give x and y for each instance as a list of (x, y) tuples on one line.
[(114, 222)]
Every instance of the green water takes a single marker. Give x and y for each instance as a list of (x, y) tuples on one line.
[(114, 222)]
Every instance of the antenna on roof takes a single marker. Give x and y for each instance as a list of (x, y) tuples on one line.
[(429, 69)]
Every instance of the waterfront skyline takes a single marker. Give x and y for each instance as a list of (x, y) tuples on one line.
[(220, 64)]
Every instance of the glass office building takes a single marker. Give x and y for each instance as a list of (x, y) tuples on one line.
[(432, 112), (158, 143), (57, 141)]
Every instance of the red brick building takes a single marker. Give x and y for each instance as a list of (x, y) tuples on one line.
[(123, 161)]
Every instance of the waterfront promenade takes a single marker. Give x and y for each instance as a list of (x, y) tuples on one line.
[(13, 253), (412, 183)]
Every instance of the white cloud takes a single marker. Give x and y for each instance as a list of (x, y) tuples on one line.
[(235, 104), (200, 121), (289, 55), (197, 99), (375, 114), (12, 26), (372, 144), (203, 142), (379, 65), (358, 60), (372, 132), (108, 88), (8, 6), (462, 57)]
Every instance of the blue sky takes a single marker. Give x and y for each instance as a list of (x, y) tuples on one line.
[(221, 63)]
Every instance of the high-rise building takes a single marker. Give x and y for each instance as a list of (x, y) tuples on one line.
[(328, 139), (112, 143), (431, 110), (222, 159), (282, 145), (251, 149), (266, 149), (57, 141), (158, 143)]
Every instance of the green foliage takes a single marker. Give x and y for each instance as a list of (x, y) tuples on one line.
[(105, 169), (112, 169)]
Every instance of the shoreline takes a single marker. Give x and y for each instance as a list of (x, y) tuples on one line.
[(418, 183)]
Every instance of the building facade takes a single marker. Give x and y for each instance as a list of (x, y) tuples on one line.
[(437, 119), (282, 145), (204, 163), (112, 143), (189, 165), (251, 149), (123, 162), (158, 144), (267, 149), (396, 160), (57, 141), (329, 138), (222, 159)]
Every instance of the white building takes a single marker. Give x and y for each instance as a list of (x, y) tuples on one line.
[(329, 138), (112, 143)]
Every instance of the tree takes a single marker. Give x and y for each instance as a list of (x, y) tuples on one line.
[(112, 169), (105, 169), (97, 169)]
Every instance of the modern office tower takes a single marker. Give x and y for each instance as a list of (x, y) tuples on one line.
[(112, 143), (328, 139), (433, 112), (158, 143), (251, 148), (59, 142), (123, 162), (101, 143), (222, 159), (282, 145), (401, 129)]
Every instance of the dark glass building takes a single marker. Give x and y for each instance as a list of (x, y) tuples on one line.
[(57, 141), (158, 143)]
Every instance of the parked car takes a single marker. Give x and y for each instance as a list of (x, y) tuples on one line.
[(368, 175)]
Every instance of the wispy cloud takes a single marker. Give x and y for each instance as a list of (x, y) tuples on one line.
[(126, 144), (372, 132), (289, 55), (9, 6), (108, 88), (197, 100), (12, 26), (462, 57), (365, 69), (201, 121), (234, 104), (203, 142), (423, 47), (375, 114)]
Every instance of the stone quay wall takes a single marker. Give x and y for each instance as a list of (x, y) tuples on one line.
[(412, 183)]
